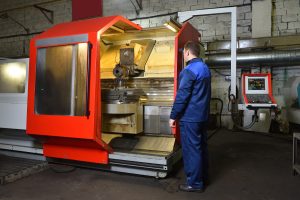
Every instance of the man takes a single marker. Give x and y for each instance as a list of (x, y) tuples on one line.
[(191, 109)]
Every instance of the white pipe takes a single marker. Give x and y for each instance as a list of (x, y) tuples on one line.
[(186, 15)]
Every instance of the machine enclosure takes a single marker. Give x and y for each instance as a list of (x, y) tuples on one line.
[(78, 138)]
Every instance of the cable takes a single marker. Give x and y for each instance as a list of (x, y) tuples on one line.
[(136, 10), (232, 96), (20, 35), (247, 126), (220, 117), (221, 109), (234, 111), (154, 16)]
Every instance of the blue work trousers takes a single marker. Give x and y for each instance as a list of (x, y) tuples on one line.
[(195, 153)]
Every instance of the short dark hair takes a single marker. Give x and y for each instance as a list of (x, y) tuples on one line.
[(193, 47)]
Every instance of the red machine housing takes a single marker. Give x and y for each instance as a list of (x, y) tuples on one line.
[(79, 137)]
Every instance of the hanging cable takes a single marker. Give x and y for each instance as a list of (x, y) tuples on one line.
[(235, 113), (135, 8), (220, 118), (221, 109)]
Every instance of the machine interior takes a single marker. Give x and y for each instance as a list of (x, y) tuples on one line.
[(137, 83)]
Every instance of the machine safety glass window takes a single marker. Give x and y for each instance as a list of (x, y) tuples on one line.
[(12, 77), (61, 77)]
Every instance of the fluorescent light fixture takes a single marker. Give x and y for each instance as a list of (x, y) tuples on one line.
[(173, 25), (170, 27), (117, 29)]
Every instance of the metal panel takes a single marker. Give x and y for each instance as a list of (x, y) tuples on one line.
[(21, 149), (138, 158), (131, 170), (127, 56), (151, 119), (154, 143), (13, 115), (122, 118), (80, 38), (156, 166), (148, 47), (156, 119), (262, 125), (17, 140), (13, 106), (26, 155), (164, 113)]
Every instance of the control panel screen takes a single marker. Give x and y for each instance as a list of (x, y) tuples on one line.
[(256, 83)]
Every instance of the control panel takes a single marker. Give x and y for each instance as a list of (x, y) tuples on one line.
[(257, 91)]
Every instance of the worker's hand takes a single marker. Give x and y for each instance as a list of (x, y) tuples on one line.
[(172, 123)]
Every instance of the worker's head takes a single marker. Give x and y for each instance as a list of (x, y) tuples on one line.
[(191, 50)]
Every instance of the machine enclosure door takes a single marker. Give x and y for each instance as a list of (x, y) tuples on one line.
[(64, 89)]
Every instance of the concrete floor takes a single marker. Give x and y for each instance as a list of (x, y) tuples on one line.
[(243, 166)]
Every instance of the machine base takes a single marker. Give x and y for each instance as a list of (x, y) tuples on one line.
[(132, 163), (125, 160)]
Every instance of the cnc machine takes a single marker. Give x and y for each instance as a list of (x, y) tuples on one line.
[(100, 94)]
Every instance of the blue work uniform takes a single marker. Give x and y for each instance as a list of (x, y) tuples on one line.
[(191, 107)]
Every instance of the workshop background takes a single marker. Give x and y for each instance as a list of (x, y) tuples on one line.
[(256, 163), (21, 20)]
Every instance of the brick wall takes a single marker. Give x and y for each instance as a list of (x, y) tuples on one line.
[(214, 27), (285, 18), (285, 21), (285, 15), (12, 45)]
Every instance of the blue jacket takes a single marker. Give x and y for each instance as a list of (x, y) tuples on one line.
[(192, 102)]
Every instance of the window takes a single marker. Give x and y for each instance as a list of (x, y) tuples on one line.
[(12, 77), (61, 78)]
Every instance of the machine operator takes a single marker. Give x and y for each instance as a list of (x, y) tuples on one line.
[(191, 110)]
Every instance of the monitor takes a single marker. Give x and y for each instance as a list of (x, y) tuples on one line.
[(256, 85)]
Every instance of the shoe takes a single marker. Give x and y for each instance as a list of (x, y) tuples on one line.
[(187, 188)]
